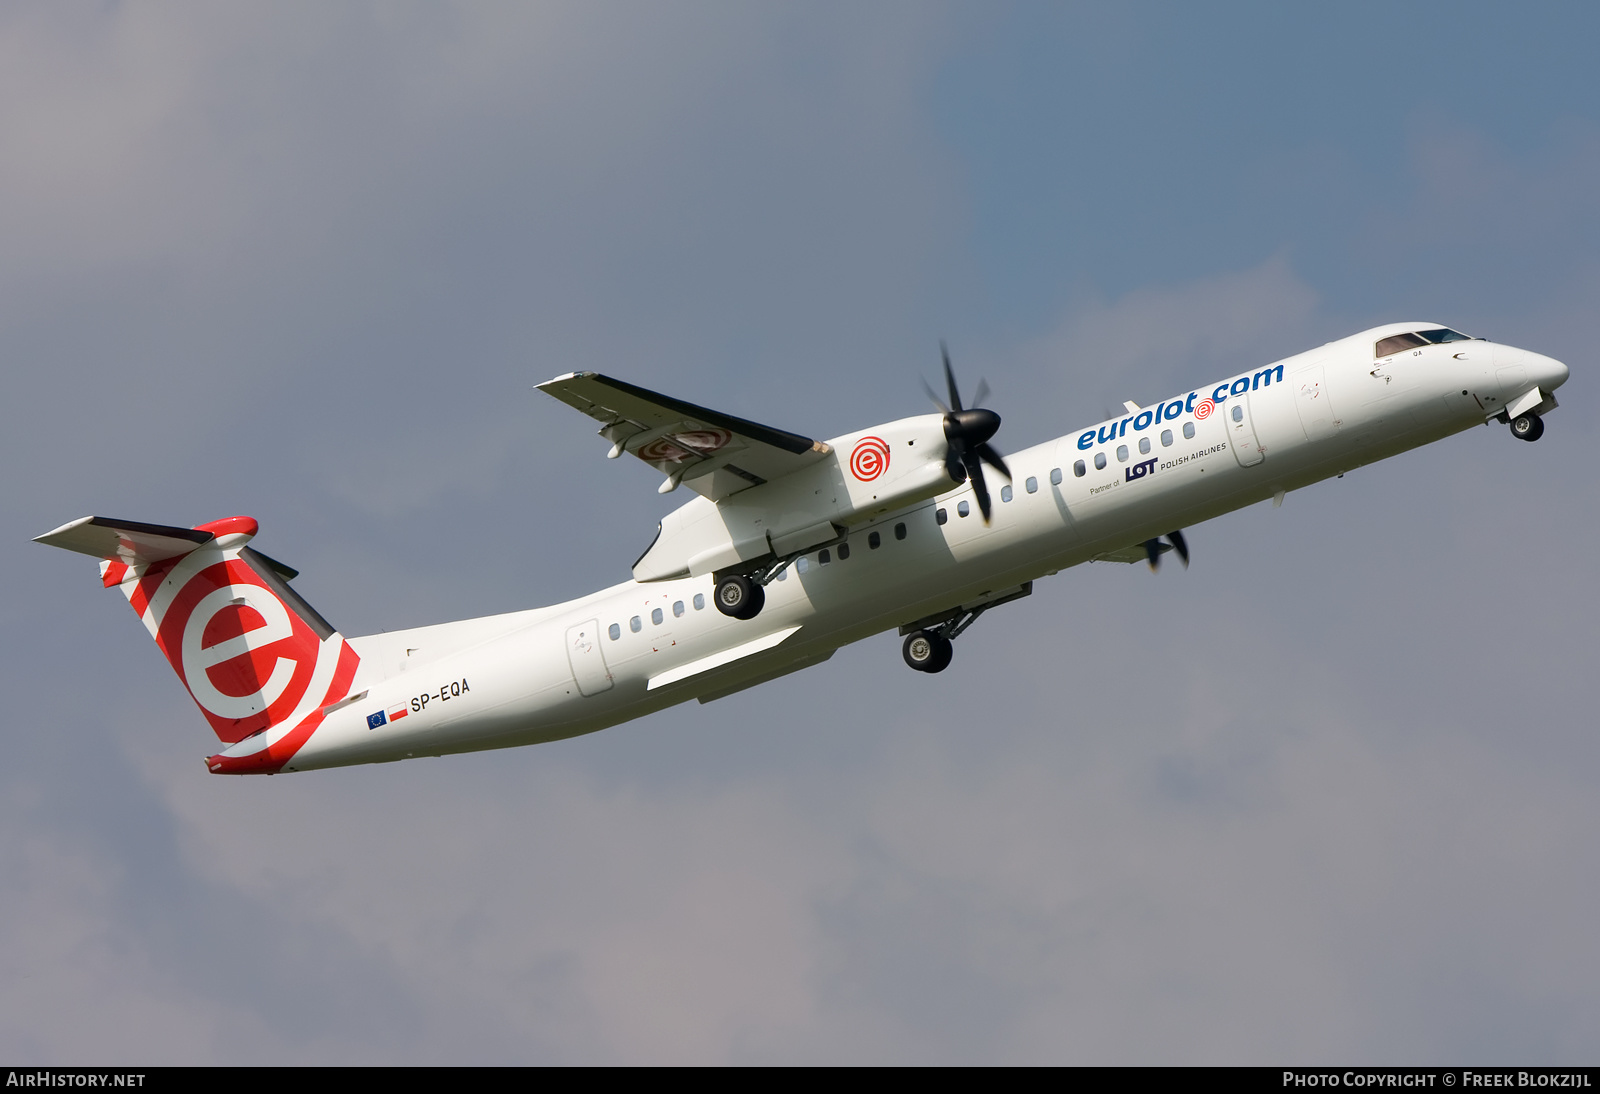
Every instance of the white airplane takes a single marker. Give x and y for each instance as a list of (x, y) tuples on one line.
[(793, 548)]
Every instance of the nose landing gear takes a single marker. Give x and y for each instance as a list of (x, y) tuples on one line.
[(929, 643), (1528, 427)]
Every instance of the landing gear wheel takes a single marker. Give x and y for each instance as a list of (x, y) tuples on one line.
[(739, 597), (1529, 427), (927, 652)]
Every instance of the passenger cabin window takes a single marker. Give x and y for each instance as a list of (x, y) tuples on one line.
[(1005, 493), (941, 516), (1122, 453), (635, 624), (1032, 484), (844, 549), (1238, 413), (1166, 438), (1099, 461), (699, 602), (962, 508), (615, 632), (1188, 431), (1079, 469), (801, 565), (783, 574), (655, 617), (823, 557), (1144, 446), (900, 529), (677, 608), (873, 539), (1055, 476)]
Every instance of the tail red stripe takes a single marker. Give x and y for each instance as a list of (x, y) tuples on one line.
[(272, 758), (149, 583)]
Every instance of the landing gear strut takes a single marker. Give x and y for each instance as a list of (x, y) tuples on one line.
[(1529, 427), (739, 597), (929, 643), (927, 651)]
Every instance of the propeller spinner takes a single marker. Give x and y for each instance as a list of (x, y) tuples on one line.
[(968, 433)]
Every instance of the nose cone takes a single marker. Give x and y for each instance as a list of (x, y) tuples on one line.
[(1519, 367), (1547, 371)]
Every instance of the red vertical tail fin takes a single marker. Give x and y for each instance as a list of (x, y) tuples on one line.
[(257, 659)]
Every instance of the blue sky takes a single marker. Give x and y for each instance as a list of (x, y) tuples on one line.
[(1327, 794), (1093, 136)]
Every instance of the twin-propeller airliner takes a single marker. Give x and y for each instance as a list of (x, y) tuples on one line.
[(793, 548)]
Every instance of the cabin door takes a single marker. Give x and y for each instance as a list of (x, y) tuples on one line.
[(588, 662), (1312, 402)]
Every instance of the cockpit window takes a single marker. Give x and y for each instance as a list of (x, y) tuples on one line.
[(1395, 343)]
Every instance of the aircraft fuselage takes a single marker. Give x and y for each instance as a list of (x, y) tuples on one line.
[(637, 647)]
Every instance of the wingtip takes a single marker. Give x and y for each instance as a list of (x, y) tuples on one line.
[(67, 527), (566, 377)]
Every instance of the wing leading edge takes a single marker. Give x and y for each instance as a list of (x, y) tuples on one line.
[(712, 453)]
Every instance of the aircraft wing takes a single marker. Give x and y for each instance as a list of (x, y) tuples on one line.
[(712, 453), (1130, 554)]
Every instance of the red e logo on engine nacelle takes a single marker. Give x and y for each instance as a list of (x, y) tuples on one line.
[(869, 459)]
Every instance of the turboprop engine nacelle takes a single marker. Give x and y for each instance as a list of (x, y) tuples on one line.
[(865, 475)]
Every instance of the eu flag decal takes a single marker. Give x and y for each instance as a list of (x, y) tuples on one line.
[(376, 720)]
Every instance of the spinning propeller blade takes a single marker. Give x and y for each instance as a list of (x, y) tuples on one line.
[(968, 432), (1154, 549), (1180, 545)]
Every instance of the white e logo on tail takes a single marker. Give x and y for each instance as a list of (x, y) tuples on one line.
[(198, 659)]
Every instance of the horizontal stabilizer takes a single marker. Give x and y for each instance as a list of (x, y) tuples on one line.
[(126, 541)]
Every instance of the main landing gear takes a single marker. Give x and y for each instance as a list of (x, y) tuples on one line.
[(1529, 427), (928, 651), (739, 597), (743, 595)]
